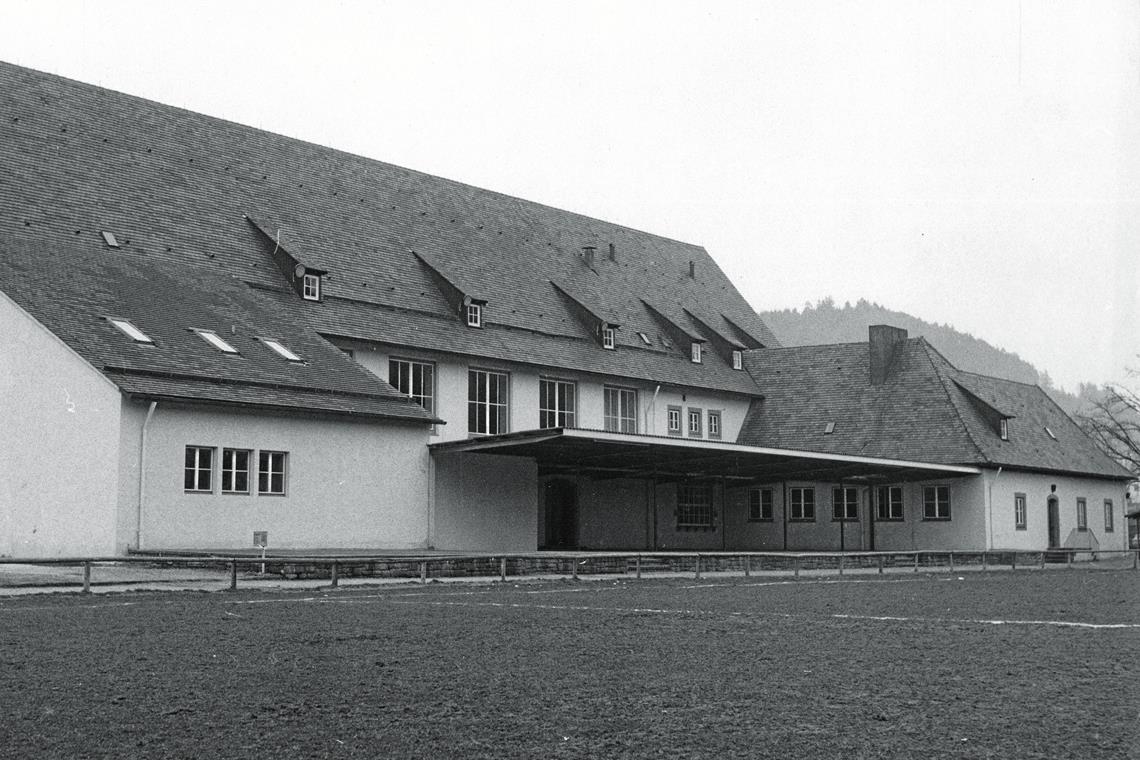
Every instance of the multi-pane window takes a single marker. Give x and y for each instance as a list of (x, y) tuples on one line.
[(620, 409), (1020, 516), (487, 402), (695, 352), (801, 505), (760, 505), (271, 473), (414, 379), (235, 470), (936, 503), (199, 469), (738, 360), (556, 403), (694, 506), (1108, 519), (695, 416), (844, 503), (714, 424), (674, 420), (311, 287), (474, 315), (888, 503), (609, 340), (1082, 515)]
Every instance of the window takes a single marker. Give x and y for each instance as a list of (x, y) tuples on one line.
[(714, 424), (936, 503), (620, 409), (694, 506), (760, 505), (1020, 518), (474, 315), (1003, 428), (695, 352), (271, 473), (235, 470), (645, 339), (216, 341), (1050, 432), (889, 503), (674, 418), (695, 422), (199, 472), (845, 504), (350, 353), (738, 360), (608, 338), (311, 287), (416, 380), (1108, 518), (487, 402), (801, 505), (279, 349), (1082, 515), (131, 331), (556, 403)]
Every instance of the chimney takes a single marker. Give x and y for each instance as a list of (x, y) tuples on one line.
[(588, 254), (884, 340)]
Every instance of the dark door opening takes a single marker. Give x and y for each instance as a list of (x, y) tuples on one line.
[(561, 505), (1054, 523)]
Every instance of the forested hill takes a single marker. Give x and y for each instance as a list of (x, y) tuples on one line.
[(827, 323)]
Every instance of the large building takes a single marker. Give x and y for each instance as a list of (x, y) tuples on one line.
[(211, 331)]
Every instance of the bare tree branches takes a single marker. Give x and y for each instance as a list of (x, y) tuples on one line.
[(1113, 421)]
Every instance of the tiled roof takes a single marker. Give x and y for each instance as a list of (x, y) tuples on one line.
[(920, 413), (174, 187), (73, 291)]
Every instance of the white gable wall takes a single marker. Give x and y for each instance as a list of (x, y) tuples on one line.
[(1037, 489)]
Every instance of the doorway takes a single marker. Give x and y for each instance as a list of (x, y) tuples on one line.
[(560, 498), (1054, 523)]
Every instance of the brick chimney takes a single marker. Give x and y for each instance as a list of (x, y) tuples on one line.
[(884, 340)]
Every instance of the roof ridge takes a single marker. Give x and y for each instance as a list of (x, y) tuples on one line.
[(927, 348), (995, 377), (811, 345)]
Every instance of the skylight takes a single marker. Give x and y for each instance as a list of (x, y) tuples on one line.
[(645, 339), (280, 350), (216, 341), (131, 331), (1051, 433)]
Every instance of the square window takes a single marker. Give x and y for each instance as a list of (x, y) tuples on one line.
[(235, 470), (1109, 524), (845, 504), (474, 315), (674, 420), (271, 473), (557, 400), (414, 379), (694, 506), (311, 287), (936, 503), (1082, 515), (488, 402), (198, 472), (889, 503), (801, 505), (760, 505), (1020, 516), (620, 412), (695, 422), (714, 424)]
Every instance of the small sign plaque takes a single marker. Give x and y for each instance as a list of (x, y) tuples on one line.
[(261, 538)]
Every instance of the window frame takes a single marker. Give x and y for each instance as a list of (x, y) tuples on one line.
[(281, 350), (131, 330), (937, 503), (502, 409), (217, 341), (889, 514), (271, 472), (737, 359), (1003, 429), (473, 314), (412, 365), (1109, 517), (197, 469), (670, 411), (230, 471), (609, 338), (563, 418), (761, 505), (1082, 515), (690, 506), (804, 510), (313, 294), (715, 415), (839, 500), (695, 413), (1020, 512), (614, 423), (695, 352)]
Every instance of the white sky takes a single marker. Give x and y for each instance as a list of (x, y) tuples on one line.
[(975, 163)]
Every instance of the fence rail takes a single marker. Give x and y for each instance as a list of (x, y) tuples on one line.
[(574, 565)]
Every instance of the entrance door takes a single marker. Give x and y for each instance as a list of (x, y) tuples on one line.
[(1054, 523), (561, 500)]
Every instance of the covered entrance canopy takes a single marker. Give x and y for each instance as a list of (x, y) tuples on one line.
[(602, 454)]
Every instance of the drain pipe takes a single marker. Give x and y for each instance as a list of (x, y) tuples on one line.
[(652, 412), (142, 475), (990, 511)]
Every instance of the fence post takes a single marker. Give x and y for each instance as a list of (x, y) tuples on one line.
[(334, 579), (423, 572), (880, 564), (1043, 560), (796, 566), (502, 568), (1069, 560), (1136, 560), (747, 566), (841, 564), (698, 574), (1013, 562), (233, 575), (916, 562), (575, 561), (951, 561), (637, 566), (86, 577), (985, 561)]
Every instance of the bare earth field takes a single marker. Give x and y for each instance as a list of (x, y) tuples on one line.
[(996, 665)]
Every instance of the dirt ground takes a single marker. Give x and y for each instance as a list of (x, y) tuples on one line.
[(1000, 665)]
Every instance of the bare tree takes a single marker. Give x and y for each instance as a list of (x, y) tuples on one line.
[(1113, 421)]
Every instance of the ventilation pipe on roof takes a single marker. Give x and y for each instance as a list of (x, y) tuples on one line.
[(588, 254), (883, 342)]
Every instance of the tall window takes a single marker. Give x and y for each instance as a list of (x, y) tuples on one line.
[(609, 340), (888, 503), (271, 473), (311, 287), (414, 379), (694, 506), (235, 471), (487, 402), (1020, 518), (620, 409), (674, 419), (474, 315), (695, 352), (845, 504), (1082, 515), (695, 417), (738, 360), (760, 505), (936, 503), (801, 505), (714, 424), (1108, 521), (556, 403), (199, 469)]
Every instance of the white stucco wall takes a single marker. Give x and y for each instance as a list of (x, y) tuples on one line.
[(485, 502), (350, 484), (58, 445), (1037, 489)]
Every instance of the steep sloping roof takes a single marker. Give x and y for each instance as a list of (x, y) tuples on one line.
[(922, 412), (74, 291), (173, 186)]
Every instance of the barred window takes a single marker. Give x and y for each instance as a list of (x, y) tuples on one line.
[(556, 402), (889, 503), (694, 506), (620, 409), (415, 380), (845, 504), (936, 503), (801, 505), (760, 505), (1020, 519), (1082, 515), (487, 402)]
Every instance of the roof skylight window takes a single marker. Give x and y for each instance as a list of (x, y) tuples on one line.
[(109, 239), (216, 341), (130, 330), (645, 339), (280, 350), (1051, 433)]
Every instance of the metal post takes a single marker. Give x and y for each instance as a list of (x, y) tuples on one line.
[(502, 568), (698, 574), (747, 566), (423, 572), (985, 561), (841, 564), (335, 580), (951, 561), (233, 575), (1042, 560), (637, 566), (575, 561), (916, 562), (880, 564), (1069, 560), (796, 565), (1013, 562), (86, 577), (1136, 560)]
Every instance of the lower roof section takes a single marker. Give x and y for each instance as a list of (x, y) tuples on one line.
[(602, 454)]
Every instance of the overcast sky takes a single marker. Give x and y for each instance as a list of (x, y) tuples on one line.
[(975, 163)]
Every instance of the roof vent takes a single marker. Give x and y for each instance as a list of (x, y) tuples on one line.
[(588, 254), (109, 239)]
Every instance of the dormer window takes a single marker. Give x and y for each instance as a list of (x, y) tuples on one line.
[(278, 348), (474, 313), (311, 287), (738, 360), (609, 339), (695, 353), (132, 332), (216, 341), (1003, 429)]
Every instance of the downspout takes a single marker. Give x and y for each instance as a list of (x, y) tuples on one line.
[(431, 500), (990, 511), (651, 413), (142, 475), (784, 512)]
